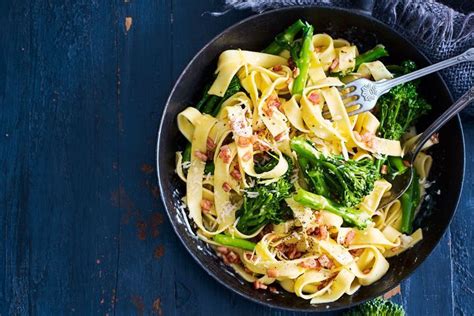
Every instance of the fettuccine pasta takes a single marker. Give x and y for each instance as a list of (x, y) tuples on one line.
[(239, 152)]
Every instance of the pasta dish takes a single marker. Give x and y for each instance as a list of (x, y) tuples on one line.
[(283, 184)]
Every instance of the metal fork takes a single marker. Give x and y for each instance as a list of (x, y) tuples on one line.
[(365, 93), (401, 183)]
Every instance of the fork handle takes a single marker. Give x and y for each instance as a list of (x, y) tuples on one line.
[(454, 109), (468, 55)]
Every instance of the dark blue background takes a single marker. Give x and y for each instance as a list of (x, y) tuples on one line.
[(83, 230)]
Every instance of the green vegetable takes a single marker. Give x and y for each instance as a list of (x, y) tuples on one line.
[(187, 152), (265, 163), (285, 39), (399, 108), (345, 182), (402, 69), (205, 97), (209, 168), (318, 202), (377, 307), (371, 55), (410, 200), (302, 60), (267, 206), (234, 242), (211, 104)]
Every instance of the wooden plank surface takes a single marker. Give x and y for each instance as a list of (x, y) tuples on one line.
[(82, 88)]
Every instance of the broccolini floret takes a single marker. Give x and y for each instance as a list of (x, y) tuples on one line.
[(346, 182), (377, 307), (399, 108), (265, 204)]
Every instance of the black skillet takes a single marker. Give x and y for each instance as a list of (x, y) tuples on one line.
[(255, 33)]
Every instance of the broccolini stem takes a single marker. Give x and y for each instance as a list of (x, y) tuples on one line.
[(319, 202), (204, 97), (397, 164), (284, 39), (371, 55), (303, 61), (211, 104), (410, 200), (234, 242), (304, 149), (187, 152)]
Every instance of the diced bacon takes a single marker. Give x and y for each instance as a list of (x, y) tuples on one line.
[(258, 145), (267, 110), (349, 238), (226, 261), (384, 169), (366, 271), (247, 156), (254, 138), (236, 174), (273, 101), (356, 252), (279, 136), (272, 273), (294, 253), (232, 257), (296, 72), (318, 218), (310, 263), (223, 250), (244, 141), (200, 155), (324, 283), (206, 205), (273, 290), (435, 138), (291, 63), (321, 232), (224, 154), (325, 262), (318, 49), (406, 163), (211, 145), (226, 187), (334, 64), (277, 68), (259, 285), (314, 97)]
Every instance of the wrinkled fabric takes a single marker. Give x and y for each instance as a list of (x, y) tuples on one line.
[(439, 31)]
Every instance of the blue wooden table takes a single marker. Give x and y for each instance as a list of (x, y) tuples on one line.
[(82, 88)]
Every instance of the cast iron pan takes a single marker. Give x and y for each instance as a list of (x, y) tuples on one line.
[(255, 33)]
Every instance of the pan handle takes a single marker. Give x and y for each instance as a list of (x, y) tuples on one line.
[(364, 6)]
